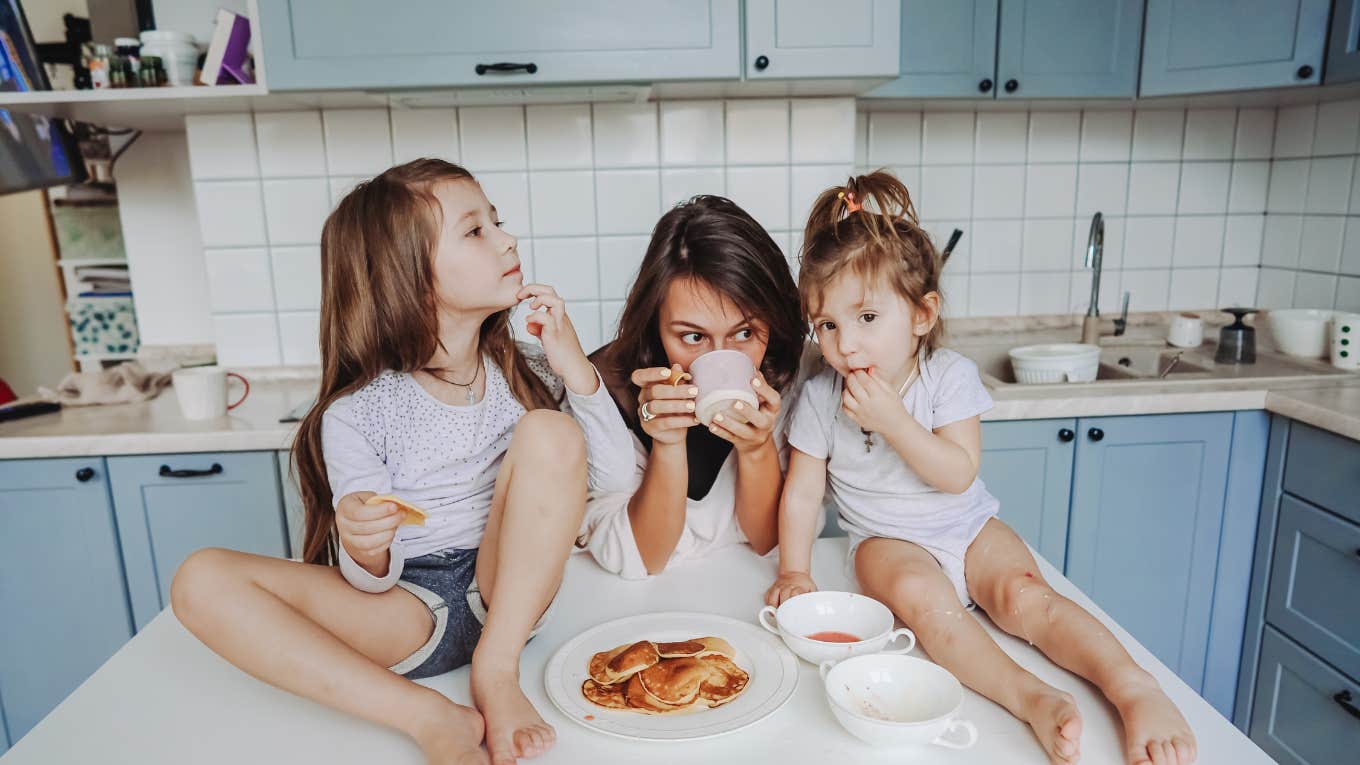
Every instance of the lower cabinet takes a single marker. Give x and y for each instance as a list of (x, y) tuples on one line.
[(62, 595), (1027, 465), (293, 512), (168, 506), (1306, 712)]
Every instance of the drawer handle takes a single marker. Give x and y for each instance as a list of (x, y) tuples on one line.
[(166, 472), (84, 474), (1344, 699), (506, 66), (1095, 434), (1066, 435)]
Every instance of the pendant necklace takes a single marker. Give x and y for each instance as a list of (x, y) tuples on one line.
[(471, 395), (868, 435)]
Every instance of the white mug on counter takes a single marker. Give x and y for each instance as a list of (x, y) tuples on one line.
[(1346, 340), (1186, 330), (202, 392)]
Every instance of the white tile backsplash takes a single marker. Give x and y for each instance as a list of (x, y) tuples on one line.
[(299, 334), (230, 213), (1106, 136), (1288, 186), (999, 191), (1203, 188), (238, 279), (1191, 288), (681, 183), (1255, 134), (894, 139), (297, 277), (1275, 288), (358, 141), (1209, 133), (817, 131), (295, 209), (1242, 237), (620, 257), (627, 201), (1337, 126), (763, 192), (247, 339), (1152, 188), (1294, 127), (1158, 134), (221, 146), (626, 135), (947, 138), (993, 244), (946, 191), (559, 137), (1148, 242), (1314, 290), (1247, 189), (758, 132), (1237, 286), (807, 182), (1280, 245), (492, 138), (1054, 136), (1199, 241), (420, 133), (290, 144), (562, 203), (570, 265), (1103, 188), (1050, 191), (1320, 247), (1047, 245), (1001, 137), (1329, 185), (692, 133), (1044, 292)]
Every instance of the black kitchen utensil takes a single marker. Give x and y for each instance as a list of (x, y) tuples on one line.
[(949, 247)]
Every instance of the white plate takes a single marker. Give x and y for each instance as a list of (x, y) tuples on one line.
[(773, 670)]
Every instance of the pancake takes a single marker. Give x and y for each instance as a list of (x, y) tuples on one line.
[(682, 649), (725, 681), (665, 678), (620, 663), (641, 701), (716, 645), (608, 696), (414, 515), (674, 682)]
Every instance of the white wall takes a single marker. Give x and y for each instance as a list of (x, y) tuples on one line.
[(34, 347), (193, 16)]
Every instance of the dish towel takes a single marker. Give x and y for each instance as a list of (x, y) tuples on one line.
[(121, 384)]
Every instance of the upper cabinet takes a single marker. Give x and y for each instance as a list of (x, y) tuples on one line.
[(808, 39), (1069, 48), (1200, 46), (1017, 49), (1343, 50), (335, 44)]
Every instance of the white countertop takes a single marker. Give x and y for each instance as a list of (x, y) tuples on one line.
[(165, 698)]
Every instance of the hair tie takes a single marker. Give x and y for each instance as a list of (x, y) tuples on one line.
[(850, 204)]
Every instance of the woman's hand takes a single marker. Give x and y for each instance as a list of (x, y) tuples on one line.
[(367, 531), (665, 410), (746, 428), (873, 405), (553, 327), (787, 585)]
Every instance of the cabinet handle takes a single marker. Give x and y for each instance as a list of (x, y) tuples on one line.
[(762, 63), (985, 86), (1012, 86), (1095, 434), (1305, 72), (1065, 435), (166, 472), (506, 66), (84, 474), (1344, 699)]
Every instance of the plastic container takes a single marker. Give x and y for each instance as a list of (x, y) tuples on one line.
[(177, 51), (1301, 332), (1055, 363), (103, 325)]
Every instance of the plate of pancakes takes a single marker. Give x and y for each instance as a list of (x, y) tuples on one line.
[(671, 676)]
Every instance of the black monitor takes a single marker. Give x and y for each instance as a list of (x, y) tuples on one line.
[(35, 151)]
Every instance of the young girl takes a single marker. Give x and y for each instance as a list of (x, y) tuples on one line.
[(712, 279), (423, 395), (893, 424)]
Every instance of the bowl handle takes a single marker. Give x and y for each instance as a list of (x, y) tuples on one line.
[(963, 725), (897, 633), (825, 667), (760, 617)]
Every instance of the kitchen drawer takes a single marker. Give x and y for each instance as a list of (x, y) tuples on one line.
[(1301, 716), (1313, 583), (1324, 469)]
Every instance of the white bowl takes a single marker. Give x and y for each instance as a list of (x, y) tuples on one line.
[(1301, 331), (814, 612), (889, 700), (1055, 362)]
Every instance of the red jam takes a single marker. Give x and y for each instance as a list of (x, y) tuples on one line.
[(831, 636)]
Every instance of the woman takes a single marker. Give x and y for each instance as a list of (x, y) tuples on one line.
[(712, 279)]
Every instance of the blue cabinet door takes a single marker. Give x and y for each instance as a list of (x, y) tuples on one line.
[(1200, 46), (170, 505), (1027, 465), (1147, 510), (814, 39), (1069, 48), (1343, 50), (63, 606), (342, 44), (948, 50)]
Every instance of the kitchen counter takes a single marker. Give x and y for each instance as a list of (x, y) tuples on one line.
[(165, 698)]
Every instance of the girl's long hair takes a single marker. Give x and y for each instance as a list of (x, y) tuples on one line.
[(379, 312)]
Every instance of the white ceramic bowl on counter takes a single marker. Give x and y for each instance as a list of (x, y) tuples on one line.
[(893, 701), (845, 612), (1055, 362), (1301, 332)]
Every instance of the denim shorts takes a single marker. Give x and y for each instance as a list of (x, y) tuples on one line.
[(446, 582)]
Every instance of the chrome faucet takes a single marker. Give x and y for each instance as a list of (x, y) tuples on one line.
[(1095, 250)]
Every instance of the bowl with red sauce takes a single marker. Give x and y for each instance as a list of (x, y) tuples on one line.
[(832, 626)]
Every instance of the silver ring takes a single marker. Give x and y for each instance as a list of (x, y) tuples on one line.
[(646, 413)]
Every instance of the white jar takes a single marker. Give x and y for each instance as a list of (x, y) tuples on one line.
[(177, 51)]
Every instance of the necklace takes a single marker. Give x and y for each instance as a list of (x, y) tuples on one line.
[(471, 395), (868, 435)]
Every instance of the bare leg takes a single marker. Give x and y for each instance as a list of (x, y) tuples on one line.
[(535, 515), (304, 629), (910, 581), (1005, 582)]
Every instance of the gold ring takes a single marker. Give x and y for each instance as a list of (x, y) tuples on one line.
[(646, 413)]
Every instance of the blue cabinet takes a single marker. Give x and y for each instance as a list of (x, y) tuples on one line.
[(342, 44), (1017, 49), (1069, 48), (1200, 46), (1343, 49), (65, 609), (171, 505), (1027, 466), (808, 39), (1301, 715)]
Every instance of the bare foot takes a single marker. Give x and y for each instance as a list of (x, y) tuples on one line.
[(452, 736), (513, 727), (1056, 722), (1154, 730)]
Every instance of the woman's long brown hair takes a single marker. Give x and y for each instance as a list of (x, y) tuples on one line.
[(711, 239), (379, 312)]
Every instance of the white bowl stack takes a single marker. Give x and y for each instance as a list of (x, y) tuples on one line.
[(1301, 332), (1055, 363)]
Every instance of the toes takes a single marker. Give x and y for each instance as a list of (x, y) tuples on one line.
[(526, 742), (1186, 752), (1140, 755)]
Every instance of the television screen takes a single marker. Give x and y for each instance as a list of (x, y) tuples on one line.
[(35, 151)]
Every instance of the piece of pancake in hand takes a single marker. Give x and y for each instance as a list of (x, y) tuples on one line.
[(620, 663), (608, 696), (724, 682)]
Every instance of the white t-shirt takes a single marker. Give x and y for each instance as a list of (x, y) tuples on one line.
[(393, 437), (876, 493)]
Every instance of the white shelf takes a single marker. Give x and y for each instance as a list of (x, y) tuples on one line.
[(92, 262), (105, 356)]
